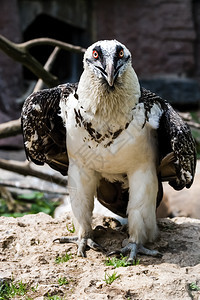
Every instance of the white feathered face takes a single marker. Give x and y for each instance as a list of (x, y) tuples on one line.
[(108, 60)]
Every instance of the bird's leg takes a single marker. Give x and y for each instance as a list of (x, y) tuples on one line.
[(82, 244), (132, 249), (143, 188), (82, 185)]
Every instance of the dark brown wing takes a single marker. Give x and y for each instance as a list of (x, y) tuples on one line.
[(177, 150), (175, 142), (43, 130)]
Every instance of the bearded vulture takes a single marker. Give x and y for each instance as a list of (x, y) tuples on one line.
[(115, 140)]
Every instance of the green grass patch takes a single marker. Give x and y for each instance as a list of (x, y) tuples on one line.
[(62, 281), (9, 290), (194, 287), (71, 230), (64, 258), (119, 262), (54, 297), (110, 278)]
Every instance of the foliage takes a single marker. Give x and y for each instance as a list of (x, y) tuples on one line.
[(34, 289), (54, 297), (63, 281), (64, 258), (9, 290), (119, 262), (71, 230), (110, 278), (194, 287), (31, 203)]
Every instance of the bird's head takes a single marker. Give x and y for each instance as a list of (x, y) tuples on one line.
[(107, 60)]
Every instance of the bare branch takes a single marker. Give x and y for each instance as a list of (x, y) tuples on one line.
[(20, 53), (10, 128), (22, 186), (188, 118), (52, 42), (40, 83), (193, 124), (25, 169), (13, 128)]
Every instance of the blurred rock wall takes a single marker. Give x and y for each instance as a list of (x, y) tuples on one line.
[(10, 71), (164, 38)]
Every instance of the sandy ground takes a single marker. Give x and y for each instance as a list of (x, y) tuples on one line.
[(28, 254)]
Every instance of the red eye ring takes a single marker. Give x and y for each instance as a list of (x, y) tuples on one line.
[(95, 54), (121, 54)]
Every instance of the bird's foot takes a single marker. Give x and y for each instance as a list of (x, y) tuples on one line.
[(133, 249), (82, 244)]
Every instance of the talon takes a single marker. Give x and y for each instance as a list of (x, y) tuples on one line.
[(131, 261), (100, 228), (115, 252), (133, 249), (57, 239), (146, 251), (93, 245), (82, 247), (82, 244), (67, 239)]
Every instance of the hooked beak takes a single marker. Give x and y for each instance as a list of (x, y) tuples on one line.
[(110, 74)]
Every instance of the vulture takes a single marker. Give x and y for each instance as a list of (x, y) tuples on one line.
[(115, 140)]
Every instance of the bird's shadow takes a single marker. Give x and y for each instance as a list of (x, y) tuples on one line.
[(178, 242)]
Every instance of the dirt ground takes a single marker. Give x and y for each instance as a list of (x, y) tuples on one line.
[(28, 254)]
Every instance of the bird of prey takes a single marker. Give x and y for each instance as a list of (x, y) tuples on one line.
[(115, 140)]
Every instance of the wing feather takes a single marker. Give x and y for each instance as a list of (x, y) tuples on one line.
[(176, 145), (43, 130), (175, 135)]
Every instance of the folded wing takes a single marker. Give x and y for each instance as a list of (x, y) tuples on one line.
[(177, 150), (43, 130), (176, 145)]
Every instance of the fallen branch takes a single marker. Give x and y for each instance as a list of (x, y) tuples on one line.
[(24, 168), (11, 128), (193, 124), (19, 185)]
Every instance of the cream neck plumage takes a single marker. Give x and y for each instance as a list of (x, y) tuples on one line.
[(112, 106)]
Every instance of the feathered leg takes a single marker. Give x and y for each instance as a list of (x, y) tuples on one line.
[(82, 185), (141, 210)]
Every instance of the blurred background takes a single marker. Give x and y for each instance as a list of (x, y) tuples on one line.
[(162, 35)]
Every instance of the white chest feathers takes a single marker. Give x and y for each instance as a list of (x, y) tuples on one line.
[(113, 146)]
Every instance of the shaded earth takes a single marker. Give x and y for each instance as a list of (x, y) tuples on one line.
[(28, 254)]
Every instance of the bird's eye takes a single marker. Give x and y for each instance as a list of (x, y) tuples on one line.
[(121, 54), (95, 54)]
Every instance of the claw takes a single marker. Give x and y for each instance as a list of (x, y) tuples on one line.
[(133, 249), (67, 239), (115, 252), (146, 251), (82, 247), (82, 244), (93, 245)]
